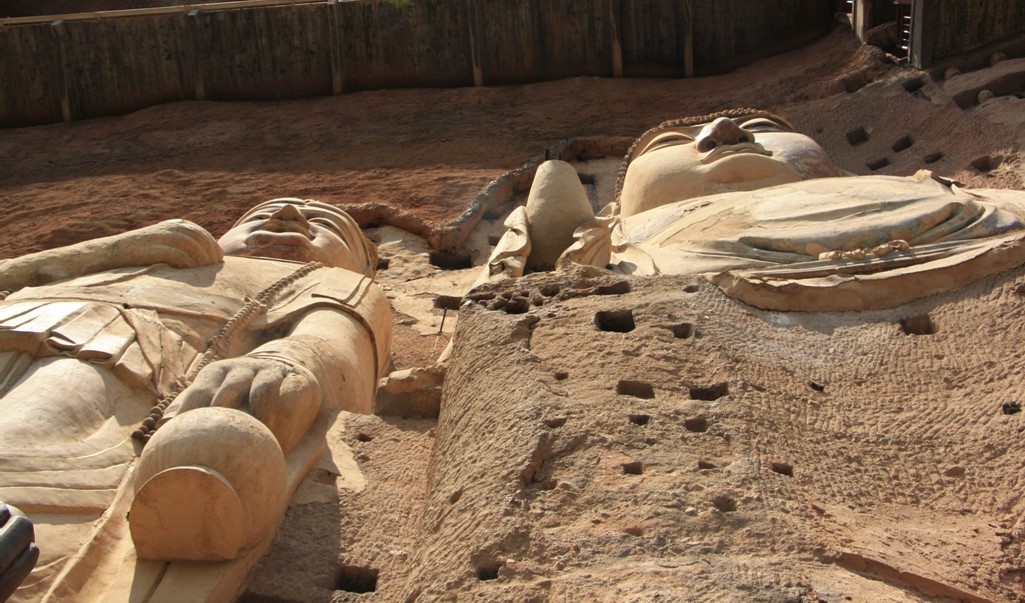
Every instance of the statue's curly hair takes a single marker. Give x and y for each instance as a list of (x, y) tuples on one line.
[(689, 121)]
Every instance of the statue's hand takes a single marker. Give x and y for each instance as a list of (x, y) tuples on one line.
[(286, 398), (178, 243)]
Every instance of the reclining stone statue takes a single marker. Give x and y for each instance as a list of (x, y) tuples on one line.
[(228, 362), (760, 209)]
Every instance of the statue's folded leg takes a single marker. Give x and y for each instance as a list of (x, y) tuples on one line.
[(209, 484), (556, 206)]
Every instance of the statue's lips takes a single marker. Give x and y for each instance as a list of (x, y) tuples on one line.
[(287, 239), (748, 167), (724, 151)]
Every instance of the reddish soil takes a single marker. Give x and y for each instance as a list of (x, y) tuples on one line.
[(426, 152)]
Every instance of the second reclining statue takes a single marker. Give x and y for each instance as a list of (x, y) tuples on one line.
[(759, 208)]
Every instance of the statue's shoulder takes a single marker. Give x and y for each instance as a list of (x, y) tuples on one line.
[(345, 284), (325, 286), (879, 186)]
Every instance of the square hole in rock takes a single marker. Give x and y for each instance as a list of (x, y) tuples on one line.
[(637, 389), (918, 325), (857, 136), (633, 468), (639, 419), (903, 143), (698, 424), (684, 330), (488, 570), (617, 321), (913, 85), (250, 597), (877, 164), (616, 288), (987, 163), (450, 261), (356, 579), (711, 392)]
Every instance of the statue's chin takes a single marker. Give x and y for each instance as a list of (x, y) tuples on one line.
[(662, 182), (749, 171)]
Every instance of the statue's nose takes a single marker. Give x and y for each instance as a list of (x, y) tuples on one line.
[(723, 131), (289, 213)]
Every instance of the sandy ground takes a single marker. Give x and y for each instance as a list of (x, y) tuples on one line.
[(429, 152)]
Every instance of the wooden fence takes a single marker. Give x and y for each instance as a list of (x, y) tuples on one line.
[(88, 65)]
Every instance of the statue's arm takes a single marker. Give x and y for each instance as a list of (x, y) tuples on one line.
[(179, 243), (327, 360)]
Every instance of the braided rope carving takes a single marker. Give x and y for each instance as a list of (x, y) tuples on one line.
[(219, 345)]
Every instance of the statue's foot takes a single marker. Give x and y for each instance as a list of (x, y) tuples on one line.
[(209, 484), (187, 513)]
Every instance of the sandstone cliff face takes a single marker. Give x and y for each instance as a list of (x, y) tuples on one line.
[(715, 452), (650, 439)]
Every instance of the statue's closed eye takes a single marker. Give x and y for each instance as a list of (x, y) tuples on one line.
[(764, 125), (669, 141), (328, 224)]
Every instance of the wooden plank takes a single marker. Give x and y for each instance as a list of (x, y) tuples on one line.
[(159, 10)]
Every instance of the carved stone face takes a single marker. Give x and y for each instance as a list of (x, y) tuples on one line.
[(302, 231), (721, 156)]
